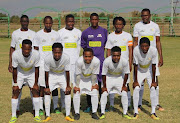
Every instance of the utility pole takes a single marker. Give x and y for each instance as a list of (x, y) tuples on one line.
[(172, 14), (80, 14)]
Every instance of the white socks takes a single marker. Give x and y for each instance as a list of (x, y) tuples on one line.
[(111, 99), (55, 101), (68, 104), (76, 102), (41, 102), (124, 101), (136, 98), (62, 98), (153, 97), (157, 93), (14, 103), (36, 105), (47, 102), (141, 95), (103, 101), (94, 100)]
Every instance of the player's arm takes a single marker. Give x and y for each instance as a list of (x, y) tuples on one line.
[(159, 48), (104, 73), (135, 83), (130, 57), (35, 87), (108, 52), (15, 75), (124, 88), (83, 41), (93, 80), (153, 75), (47, 90), (135, 42), (104, 88), (76, 88), (10, 68), (68, 88)]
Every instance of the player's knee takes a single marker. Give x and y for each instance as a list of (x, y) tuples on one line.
[(104, 93), (124, 94), (16, 93), (35, 92), (137, 88), (94, 92), (55, 92)]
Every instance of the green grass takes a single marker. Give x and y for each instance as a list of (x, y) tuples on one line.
[(168, 82)]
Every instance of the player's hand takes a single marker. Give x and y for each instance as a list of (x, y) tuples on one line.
[(154, 84), (160, 62), (68, 90), (36, 87), (135, 84), (47, 91), (95, 87), (124, 88), (15, 88), (10, 68), (76, 89), (103, 89)]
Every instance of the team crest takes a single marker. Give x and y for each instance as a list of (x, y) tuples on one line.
[(31, 61), (29, 37), (152, 29), (53, 39), (99, 35), (124, 39)]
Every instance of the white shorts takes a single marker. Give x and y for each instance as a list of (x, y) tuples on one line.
[(25, 79), (57, 81), (41, 81), (141, 76)]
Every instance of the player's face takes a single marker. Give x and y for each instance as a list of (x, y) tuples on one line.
[(94, 21), (145, 15), (116, 56), (88, 56), (144, 47), (48, 24), (26, 49), (24, 23), (70, 23), (57, 53), (118, 26)]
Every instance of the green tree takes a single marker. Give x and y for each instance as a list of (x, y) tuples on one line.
[(14, 19)]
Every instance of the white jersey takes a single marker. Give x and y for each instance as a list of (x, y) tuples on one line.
[(115, 69), (57, 67), (86, 70), (122, 40), (18, 36), (150, 31), (71, 41), (25, 65), (45, 41), (144, 60)]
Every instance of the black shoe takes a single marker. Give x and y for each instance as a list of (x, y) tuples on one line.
[(94, 116), (76, 116)]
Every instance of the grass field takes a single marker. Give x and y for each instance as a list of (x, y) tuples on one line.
[(168, 82)]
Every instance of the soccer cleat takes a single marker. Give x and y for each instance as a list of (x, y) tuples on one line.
[(154, 116), (68, 118), (126, 116), (57, 111), (111, 109), (13, 120), (102, 116), (159, 107), (41, 112), (47, 119), (76, 116), (17, 112), (135, 116), (37, 119), (94, 116), (87, 110), (139, 108)]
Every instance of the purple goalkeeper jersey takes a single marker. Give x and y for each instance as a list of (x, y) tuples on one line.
[(96, 40)]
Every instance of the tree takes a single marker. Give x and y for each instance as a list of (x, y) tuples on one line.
[(14, 19), (3, 15)]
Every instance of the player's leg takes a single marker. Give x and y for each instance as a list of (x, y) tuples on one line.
[(76, 103), (158, 107), (103, 104), (141, 96), (94, 102), (55, 101), (47, 102)]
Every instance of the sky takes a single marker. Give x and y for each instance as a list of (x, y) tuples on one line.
[(16, 7)]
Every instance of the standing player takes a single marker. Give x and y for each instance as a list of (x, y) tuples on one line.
[(124, 41), (25, 63), (57, 66), (16, 43), (87, 68), (115, 75), (149, 29), (144, 57), (43, 42), (95, 37), (70, 37)]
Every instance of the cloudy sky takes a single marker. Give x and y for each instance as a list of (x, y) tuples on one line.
[(16, 7)]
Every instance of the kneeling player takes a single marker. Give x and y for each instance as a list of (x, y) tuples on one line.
[(25, 64), (145, 56), (87, 68), (115, 74), (57, 66)]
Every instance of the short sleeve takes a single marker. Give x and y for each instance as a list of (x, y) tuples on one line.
[(130, 41), (13, 41), (36, 40), (126, 68), (105, 68), (154, 57), (78, 68), (14, 60), (135, 58), (46, 65), (109, 44), (37, 63), (157, 32), (67, 65), (135, 32), (96, 68)]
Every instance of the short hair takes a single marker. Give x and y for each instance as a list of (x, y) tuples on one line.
[(24, 16), (94, 14), (120, 19), (69, 16), (115, 49), (88, 50), (145, 40), (27, 41), (48, 17), (57, 45), (147, 10)]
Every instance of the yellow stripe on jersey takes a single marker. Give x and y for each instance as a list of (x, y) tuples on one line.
[(123, 48), (57, 71), (86, 75), (26, 69), (95, 44), (114, 73), (70, 45), (144, 66), (20, 45), (151, 38), (46, 48)]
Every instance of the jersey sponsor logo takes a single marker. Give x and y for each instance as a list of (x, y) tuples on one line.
[(90, 36), (46, 48), (70, 45), (123, 48), (144, 66), (99, 35), (151, 38), (94, 43)]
